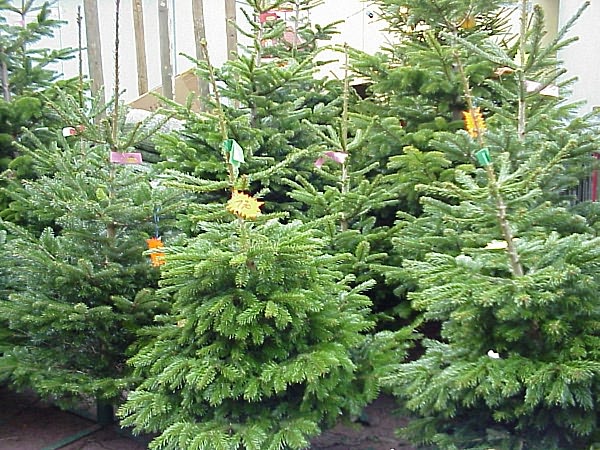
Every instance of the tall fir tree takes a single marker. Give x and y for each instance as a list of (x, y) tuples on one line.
[(414, 90), (80, 289), (267, 92), (79, 285), (266, 343), (414, 86), (503, 263), (26, 73)]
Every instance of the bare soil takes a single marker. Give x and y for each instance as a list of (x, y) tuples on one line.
[(377, 430), (27, 423)]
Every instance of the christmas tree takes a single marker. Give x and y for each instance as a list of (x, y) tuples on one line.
[(413, 89), (266, 92), (285, 119), (266, 342), (260, 351), (499, 259), (80, 289), (26, 76)]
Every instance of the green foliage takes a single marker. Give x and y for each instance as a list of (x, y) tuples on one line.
[(415, 86), (411, 16), (414, 89), (496, 257), (25, 76), (265, 95), (512, 402), (275, 330), (347, 196), (542, 390), (258, 352), (26, 66), (273, 36), (79, 285), (269, 339)]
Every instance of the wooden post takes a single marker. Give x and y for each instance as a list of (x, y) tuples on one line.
[(166, 67), (230, 29), (140, 46), (200, 37), (551, 19), (4, 77), (94, 45)]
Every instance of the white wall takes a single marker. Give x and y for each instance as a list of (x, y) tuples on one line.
[(582, 58), (358, 29)]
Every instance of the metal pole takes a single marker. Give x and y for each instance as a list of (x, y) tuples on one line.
[(174, 32)]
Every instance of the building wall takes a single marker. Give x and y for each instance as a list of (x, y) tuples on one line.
[(582, 58), (360, 29)]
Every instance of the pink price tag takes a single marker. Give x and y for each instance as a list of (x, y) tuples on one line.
[(267, 16), (338, 157), (125, 158)]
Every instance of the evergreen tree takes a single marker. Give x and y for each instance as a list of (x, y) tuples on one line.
[(80, 289), (285, 118), (25, 72), (414, 91), (266, 93), (259, 353), (266, 342), (506, 267)]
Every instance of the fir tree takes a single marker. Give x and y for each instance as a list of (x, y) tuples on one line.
[(260, 352), (25, 71), (266, 94), (79, 289), (414, 91), (506, 267), (266, 343)]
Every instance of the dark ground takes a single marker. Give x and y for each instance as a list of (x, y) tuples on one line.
[(26, 423)]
